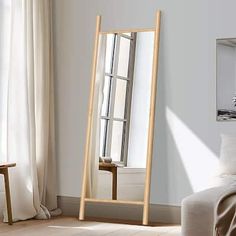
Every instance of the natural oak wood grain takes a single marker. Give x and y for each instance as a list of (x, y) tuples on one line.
[(90, 115), (151, 119), (120, 31), (113, 201)]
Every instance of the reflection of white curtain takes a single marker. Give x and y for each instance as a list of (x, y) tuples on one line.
[(95, 133), (27, 137)]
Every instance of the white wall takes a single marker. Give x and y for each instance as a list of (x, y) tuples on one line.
[(226, 76), (140, 103), (187, 136)]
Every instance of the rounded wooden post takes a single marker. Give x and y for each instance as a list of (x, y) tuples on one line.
[(151, 120), (4, 172), (90, 116), (114, 183), (8, 195)]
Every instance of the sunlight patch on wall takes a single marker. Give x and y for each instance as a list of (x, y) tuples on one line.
[(199, 161)]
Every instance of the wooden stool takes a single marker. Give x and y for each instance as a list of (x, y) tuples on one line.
[(111, 167), (4, 171)]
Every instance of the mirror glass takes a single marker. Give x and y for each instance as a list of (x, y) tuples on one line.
[(121, 116), (226, 79)]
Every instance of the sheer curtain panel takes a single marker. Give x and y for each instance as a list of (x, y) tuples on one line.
[(27, 106)]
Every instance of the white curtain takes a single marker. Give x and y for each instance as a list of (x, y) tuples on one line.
[(93, 162), (27, 110)]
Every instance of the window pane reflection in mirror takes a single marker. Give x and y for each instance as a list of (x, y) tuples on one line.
[(109, 52), (120, 98), (116, 141), (123, 61)]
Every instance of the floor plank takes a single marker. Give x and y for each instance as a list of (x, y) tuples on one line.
[(70, 226)]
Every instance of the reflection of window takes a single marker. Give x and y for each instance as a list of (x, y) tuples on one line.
[(117, 90)]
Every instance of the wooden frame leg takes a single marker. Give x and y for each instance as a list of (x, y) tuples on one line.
[(114, 183), (8, 195), (90, 118), (151, 120)]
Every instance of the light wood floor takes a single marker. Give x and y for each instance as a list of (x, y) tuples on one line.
[(70, 226)]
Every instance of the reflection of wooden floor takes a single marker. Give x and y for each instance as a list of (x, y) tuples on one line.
[(70, 226), (111, 167)]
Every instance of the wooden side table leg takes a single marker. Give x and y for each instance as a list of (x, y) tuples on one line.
[(8, 195), (114, 183)]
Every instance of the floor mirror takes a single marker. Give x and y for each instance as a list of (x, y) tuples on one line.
[(119, 141)]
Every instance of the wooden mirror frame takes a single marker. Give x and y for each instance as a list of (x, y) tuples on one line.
[(145, 202)]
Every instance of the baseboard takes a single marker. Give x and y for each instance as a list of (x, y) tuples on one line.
[(158, 213)]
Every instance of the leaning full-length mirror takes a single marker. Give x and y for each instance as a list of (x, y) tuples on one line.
[(121, 118)]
